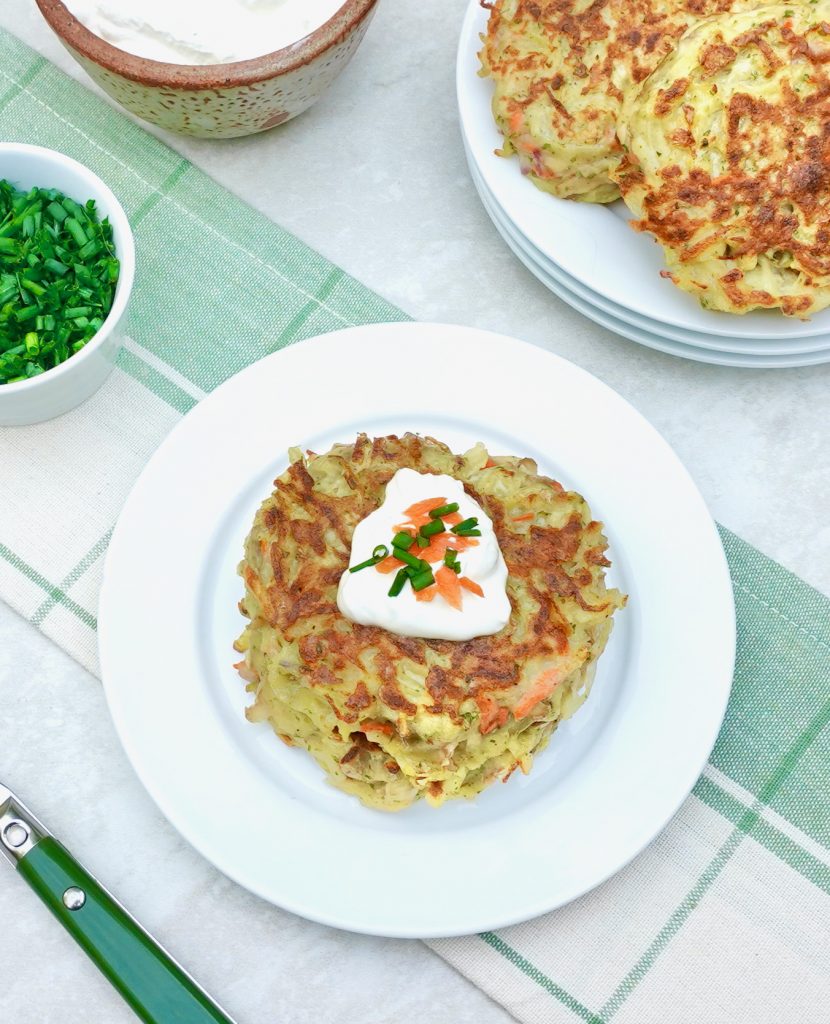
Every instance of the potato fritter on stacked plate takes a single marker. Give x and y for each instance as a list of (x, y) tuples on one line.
[(392, 718), (561, 69), (728, 161), (708, 116)]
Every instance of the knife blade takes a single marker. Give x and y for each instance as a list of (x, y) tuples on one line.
[(157, 988)]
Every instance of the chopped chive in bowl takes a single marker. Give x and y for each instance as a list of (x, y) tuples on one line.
[(58, 274)]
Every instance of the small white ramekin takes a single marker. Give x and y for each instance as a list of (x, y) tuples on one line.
[(58, 390)]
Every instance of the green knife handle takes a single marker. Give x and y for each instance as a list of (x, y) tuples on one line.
[(149, 980)]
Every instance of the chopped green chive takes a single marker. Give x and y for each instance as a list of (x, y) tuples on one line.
[(362, 565), (56, 212), (71, 207), (466, 524), (408, 559), (32, 286), (468, 533), (92, 248), (378, 555), (403, 540), (444, 510), (57, 268), (422, 580), (430, 529), (77, 232), (398, 583), (423, 542), (451, 560)]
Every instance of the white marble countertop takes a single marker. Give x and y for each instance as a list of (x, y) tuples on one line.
[(374, 177)]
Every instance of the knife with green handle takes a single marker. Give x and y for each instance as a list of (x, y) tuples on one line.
[(151, 982)]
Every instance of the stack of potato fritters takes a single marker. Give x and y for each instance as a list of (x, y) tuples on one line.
[(708, 116)]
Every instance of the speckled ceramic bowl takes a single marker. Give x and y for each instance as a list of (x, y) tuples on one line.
[(218, 101)]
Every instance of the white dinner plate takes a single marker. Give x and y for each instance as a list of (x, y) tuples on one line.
[(597, 309), (612, 776), (592, 242), (786, 352)]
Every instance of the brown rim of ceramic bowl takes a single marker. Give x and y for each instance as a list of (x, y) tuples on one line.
[(201, 76)]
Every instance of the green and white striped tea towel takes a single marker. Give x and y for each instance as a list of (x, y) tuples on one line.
[(726, 917)]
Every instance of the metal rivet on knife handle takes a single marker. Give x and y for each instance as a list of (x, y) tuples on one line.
[(74, 898), (15, 834), (20, 831)]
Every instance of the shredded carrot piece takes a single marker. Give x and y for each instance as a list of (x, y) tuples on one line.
[(448, 586), (388, 564), (489, 464), (492, 716), (421, 508), (413, 524), (384, 727), (427, 594), (470, 585), (543, 687), (452, 518), (462, 543), (437, 547), (524, 518)]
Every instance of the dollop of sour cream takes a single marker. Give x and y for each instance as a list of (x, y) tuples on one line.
[(196, 32), (363, 596)]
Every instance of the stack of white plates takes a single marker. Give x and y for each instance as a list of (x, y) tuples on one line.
[(590, 257)]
